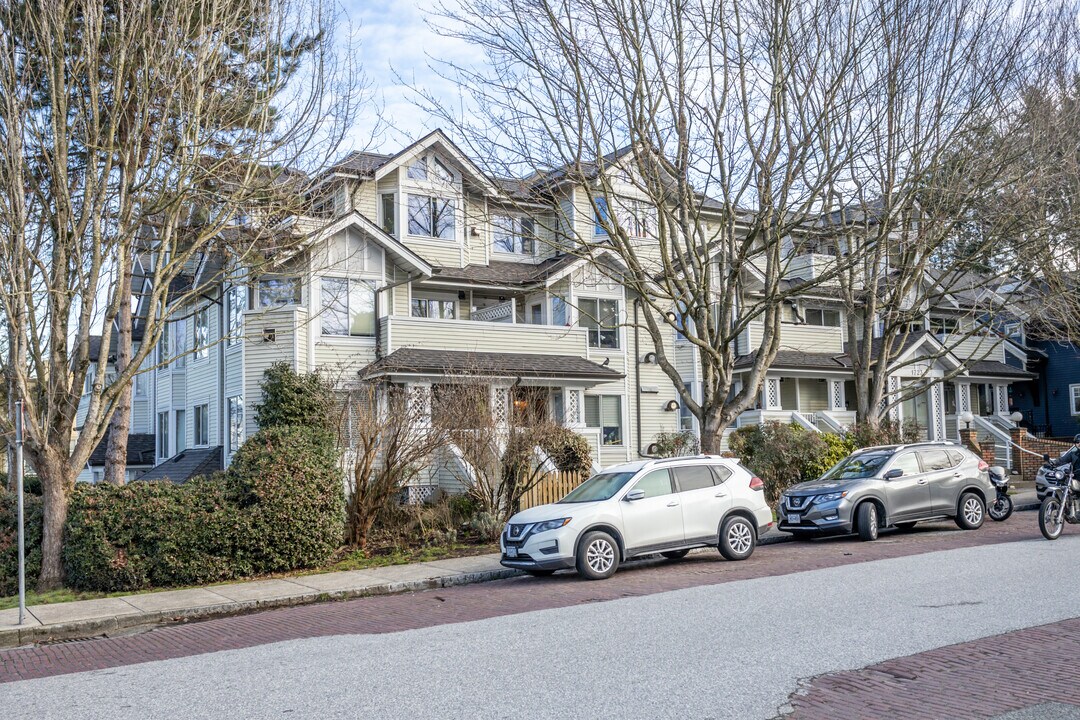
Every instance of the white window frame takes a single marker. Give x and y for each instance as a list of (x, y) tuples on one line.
[(163, 435), (202, 333), (179, 344), (594, 316), (203, 426), (519, 231), (297, 298), (388, 218), (1074, 399), (235, 406), (435, 214), (600, 402), (821, 315), (940, 325), (426, 302), (236, 301), (324, 308), (180, 430)]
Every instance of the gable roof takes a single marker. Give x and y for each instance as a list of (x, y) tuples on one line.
[(391, 244), (436, 137)]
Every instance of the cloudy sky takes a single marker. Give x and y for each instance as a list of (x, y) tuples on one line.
[(396, 46)]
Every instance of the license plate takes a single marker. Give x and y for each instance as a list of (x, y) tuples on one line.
[(794, 518), (511, 552)]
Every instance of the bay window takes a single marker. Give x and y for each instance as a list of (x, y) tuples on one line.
[(276, 291), (605, 412), (601, 318), (348, 307), (431, 217)]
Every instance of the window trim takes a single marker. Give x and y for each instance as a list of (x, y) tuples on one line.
[(616, 329), (600, 414), (521, 231), (323, 308), (236, 432), (1074, 399), (414, 302), (201, 347), (388, 222), (297, 300), (432, 199), (163, 435), (196, 426), (236, 304)]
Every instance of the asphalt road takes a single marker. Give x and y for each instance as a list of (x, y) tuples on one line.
[(735, 650)]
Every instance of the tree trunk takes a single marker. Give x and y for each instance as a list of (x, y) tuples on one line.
[(57, 479), (120, 425), (712, 433)]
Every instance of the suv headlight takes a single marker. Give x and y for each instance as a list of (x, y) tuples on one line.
[(550, 525), (831, 497)]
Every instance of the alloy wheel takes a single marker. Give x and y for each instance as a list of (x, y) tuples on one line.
[(600, 555), (740, 538), (973, 511)]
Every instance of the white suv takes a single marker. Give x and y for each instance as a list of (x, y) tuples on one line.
[(653, 506)]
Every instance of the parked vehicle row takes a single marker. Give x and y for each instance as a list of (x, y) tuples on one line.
[(670, 506)]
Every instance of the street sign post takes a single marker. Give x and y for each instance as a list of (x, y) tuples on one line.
[(19, 493)]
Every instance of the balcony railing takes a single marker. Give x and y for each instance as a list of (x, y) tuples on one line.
[(479, 336)]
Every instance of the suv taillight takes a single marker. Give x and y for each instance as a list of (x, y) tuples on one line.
[(757, 483), (983, 467)]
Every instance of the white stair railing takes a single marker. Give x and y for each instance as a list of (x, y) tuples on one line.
[(830, 422), (1002, 440), (804, 422)]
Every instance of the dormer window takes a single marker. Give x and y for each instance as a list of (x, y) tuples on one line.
[(429, 167), (514, 235)]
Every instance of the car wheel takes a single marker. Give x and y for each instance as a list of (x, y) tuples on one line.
[(970, 512), (867, 521), (675, 554), (598, 556), (737, 538), (905, 526), (541, 573)]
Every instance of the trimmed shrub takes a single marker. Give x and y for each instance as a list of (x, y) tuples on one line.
[(289, 485), (9, 540), (280, 506), (295, 399), (836, 448), (569, 450), (780, 454)]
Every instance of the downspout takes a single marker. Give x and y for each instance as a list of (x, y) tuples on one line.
[(378, 318), (637, 380)]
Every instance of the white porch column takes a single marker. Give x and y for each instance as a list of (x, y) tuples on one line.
[(771, 394), (937, 412), (574, 408), (419, 395), (836, 395), (963, 398)]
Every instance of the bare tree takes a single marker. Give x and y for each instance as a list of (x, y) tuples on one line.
[(736, 122), (924, 211), (146, 128), (388, 443)]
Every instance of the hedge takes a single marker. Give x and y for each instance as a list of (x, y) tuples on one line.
[(9, 540), (279, 506)]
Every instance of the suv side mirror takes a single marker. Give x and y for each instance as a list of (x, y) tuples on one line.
[(634, 495), (894, 473)]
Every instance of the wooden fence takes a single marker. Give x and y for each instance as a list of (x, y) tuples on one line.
[(552, 488)]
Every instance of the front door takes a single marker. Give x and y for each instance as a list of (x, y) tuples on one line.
[(704, 500), (655, 520), (908, 495)]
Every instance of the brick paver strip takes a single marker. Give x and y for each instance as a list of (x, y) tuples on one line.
[(382, 614), (978, 679)]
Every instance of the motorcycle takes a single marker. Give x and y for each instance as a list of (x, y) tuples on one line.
[(1060, 505), (1002, 507)]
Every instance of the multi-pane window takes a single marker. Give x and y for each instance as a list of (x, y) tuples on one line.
[(636, 219), (514, 235), (389, 211), (348, 307), (180, 342), (819, 316), (236, 302), (429, 167), (163, 435), (603, 217), (433, 308), (202, 425), (202, 333), (275, 291), (943, 325), (431, 217), (558, 312), (605, 412), (236, 423), (1074, 392), (686, 418), (601, 318)]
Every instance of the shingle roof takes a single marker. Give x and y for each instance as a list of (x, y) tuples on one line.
[(363, 163), (186, 464), (798, 360), (447, 362), (996, 369), (140, 450), (501, 272)]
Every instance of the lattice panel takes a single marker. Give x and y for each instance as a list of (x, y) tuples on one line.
[(894, 389), (837, 394), (420, 494), (937, 409), (420, 403), (772, 393), (500, 406), (573, 408), (1002, 399)]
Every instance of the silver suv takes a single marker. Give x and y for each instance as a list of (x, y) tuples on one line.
[(893, 485)]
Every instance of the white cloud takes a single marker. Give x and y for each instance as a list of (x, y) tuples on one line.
[(397, 50)]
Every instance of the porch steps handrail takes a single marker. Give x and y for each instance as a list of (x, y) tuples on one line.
[(802, 421), (1001, 438), (832, 423)]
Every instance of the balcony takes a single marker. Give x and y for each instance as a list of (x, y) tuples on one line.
[(400, 331)]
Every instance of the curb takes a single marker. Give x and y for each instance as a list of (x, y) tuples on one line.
[(104, 627)]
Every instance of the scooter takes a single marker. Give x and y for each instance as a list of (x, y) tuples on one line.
[(1002, 506)]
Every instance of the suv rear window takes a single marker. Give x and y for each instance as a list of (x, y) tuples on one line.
[(693, 477), (936, 459)]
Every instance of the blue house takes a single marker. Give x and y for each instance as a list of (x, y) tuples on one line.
[(1050, 403)]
